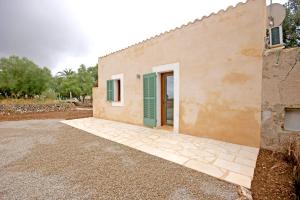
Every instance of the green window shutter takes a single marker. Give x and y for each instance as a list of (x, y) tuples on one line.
[(149, 87), (107, 90), (110, 90)]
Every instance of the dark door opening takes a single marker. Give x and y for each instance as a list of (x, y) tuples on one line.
[(167, 99)]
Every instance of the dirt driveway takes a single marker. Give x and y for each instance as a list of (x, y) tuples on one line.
[(45, 159)]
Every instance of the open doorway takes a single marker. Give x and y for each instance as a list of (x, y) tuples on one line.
[(167, 99), (167, 96)]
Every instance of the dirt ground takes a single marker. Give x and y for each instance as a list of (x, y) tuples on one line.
[(273, 177), (73, 114), (42, 159)]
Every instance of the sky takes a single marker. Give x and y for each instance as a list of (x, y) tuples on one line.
[(63, 34)]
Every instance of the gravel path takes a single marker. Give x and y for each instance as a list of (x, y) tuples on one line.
[(45, 159)]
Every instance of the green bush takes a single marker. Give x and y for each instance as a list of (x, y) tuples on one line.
[(49, 94)]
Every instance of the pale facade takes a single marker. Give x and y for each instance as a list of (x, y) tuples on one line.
[(212, 71)]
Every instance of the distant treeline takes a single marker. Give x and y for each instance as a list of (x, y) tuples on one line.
[(21, 78)]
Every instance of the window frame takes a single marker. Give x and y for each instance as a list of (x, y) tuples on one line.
[(115, 78), (280, 36), (289, 122)]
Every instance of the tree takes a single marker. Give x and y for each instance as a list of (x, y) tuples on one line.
[(78, 84), (290, 37), (94, 71), (66, 72), (67, 86), (20, 77), (85, 80)]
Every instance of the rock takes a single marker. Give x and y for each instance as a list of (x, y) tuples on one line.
[(244, 193)]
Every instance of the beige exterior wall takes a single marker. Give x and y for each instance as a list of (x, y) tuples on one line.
[(220, 60)]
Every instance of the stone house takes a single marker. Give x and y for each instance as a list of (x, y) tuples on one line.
[(202, 79)]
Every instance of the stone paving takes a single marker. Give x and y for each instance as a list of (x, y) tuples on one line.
[(230, 162)]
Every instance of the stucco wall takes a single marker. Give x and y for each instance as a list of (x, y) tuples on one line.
[(281, 90), (220, 61)]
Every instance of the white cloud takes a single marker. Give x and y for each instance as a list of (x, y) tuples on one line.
[(115, 24)]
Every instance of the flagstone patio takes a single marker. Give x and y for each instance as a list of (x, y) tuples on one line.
[(230, 162)]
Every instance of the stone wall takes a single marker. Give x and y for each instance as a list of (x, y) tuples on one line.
[(280, 91), (6, 109)]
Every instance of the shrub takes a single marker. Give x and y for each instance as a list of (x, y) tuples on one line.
[(49, 94)]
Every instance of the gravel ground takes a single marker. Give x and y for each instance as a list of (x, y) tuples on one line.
[(45, 159)]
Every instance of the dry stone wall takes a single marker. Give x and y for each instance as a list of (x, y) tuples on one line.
[(6, 109)]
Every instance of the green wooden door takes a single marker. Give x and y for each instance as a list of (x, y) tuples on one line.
[(149, 85)]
